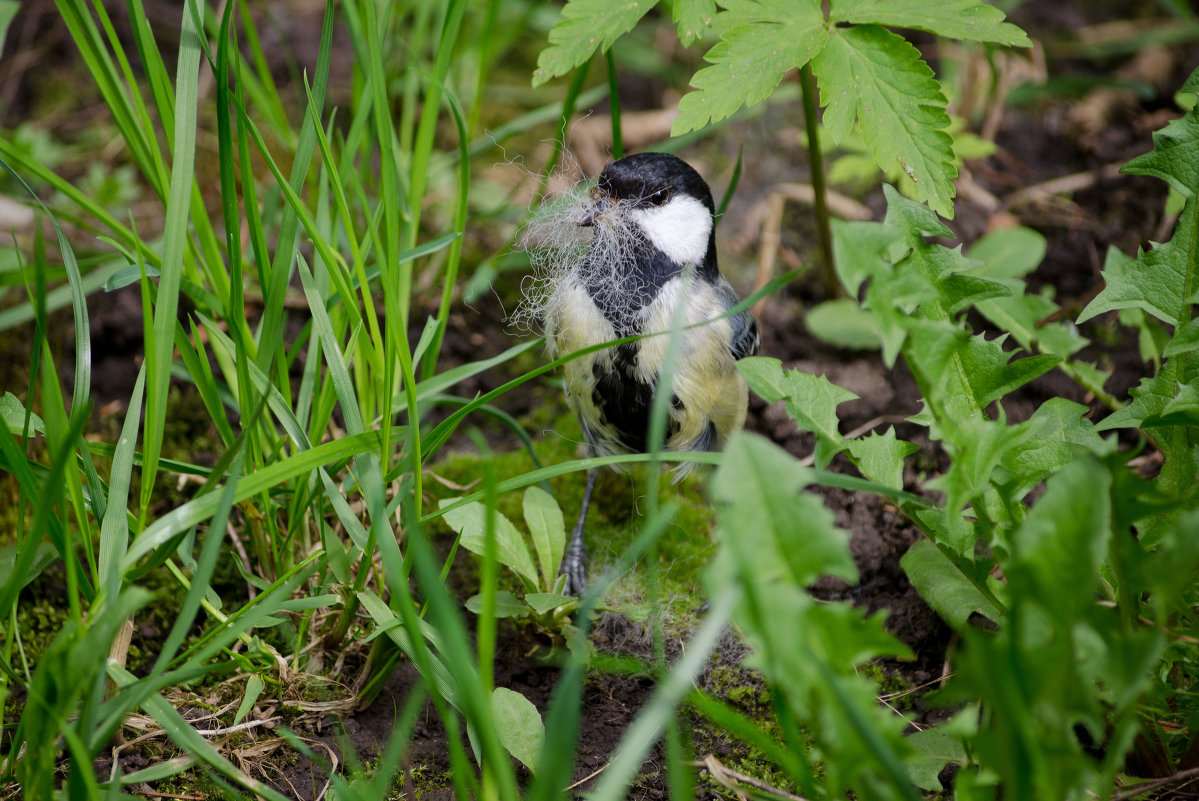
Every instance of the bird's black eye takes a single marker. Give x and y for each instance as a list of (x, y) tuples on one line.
[(657, 198)]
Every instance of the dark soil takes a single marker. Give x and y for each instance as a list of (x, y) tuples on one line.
[(1036, 142)]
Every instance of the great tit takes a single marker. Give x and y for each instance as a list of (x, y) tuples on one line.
[(649, 267)]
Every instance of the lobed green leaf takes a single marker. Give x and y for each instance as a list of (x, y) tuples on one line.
[(586, 26), (877, 79), (760, 42), (955, 19)]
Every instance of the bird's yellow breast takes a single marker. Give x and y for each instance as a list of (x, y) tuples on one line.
[(709, 396)]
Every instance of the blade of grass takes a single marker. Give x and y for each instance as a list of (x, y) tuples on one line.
[(161, 344)]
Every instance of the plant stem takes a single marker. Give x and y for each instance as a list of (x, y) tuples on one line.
[(807, 85)]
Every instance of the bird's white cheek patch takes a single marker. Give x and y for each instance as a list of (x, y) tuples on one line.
[(680, 228)]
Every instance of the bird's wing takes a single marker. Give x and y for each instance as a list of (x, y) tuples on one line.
[(745, 338)]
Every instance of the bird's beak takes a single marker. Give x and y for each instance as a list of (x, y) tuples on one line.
[(600, 204)]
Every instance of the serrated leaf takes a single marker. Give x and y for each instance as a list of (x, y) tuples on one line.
[(880, 457), (1150, 401), (877, 78), (1158, 281), (944, 587), (519, 725), (859, 251), (761, 41), (811, 401), (978, 448), (12, 411), (506, 605), (763, 513), (510, 549), (842, 322), (586, 26), (1059, 434), (693, 18), (915, 220), (1175, 155), (990, 375), (955, 19), (548, 531)]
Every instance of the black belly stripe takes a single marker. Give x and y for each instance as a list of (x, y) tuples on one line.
[(622, 399)]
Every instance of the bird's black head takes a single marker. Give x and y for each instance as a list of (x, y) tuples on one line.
[(653, 179)]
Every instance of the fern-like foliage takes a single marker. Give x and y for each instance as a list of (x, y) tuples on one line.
[(869, 77)]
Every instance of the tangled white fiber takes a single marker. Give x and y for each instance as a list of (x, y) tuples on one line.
[(563, 251)]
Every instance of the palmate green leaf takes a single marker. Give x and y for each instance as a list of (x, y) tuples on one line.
[(811, 401), (955, 19), (692, 18), (519, 725), (760, 42), (876, 78), (586, 26), (470, 522), (880, 457)]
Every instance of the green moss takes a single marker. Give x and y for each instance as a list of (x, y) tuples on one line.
[(614, 520)]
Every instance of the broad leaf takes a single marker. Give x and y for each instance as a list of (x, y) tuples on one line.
[(542, 602), (1059, 434), (936, 748), (548, 531), (518, 724), (945, 588), (12, 412), (842, 322), (510, 549), (506, 605), (788, 532), (1065, 538), (875, 77)]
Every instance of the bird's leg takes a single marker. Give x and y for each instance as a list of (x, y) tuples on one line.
[(572, 562)]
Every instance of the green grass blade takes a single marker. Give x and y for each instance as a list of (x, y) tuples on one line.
[(159, 349)]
